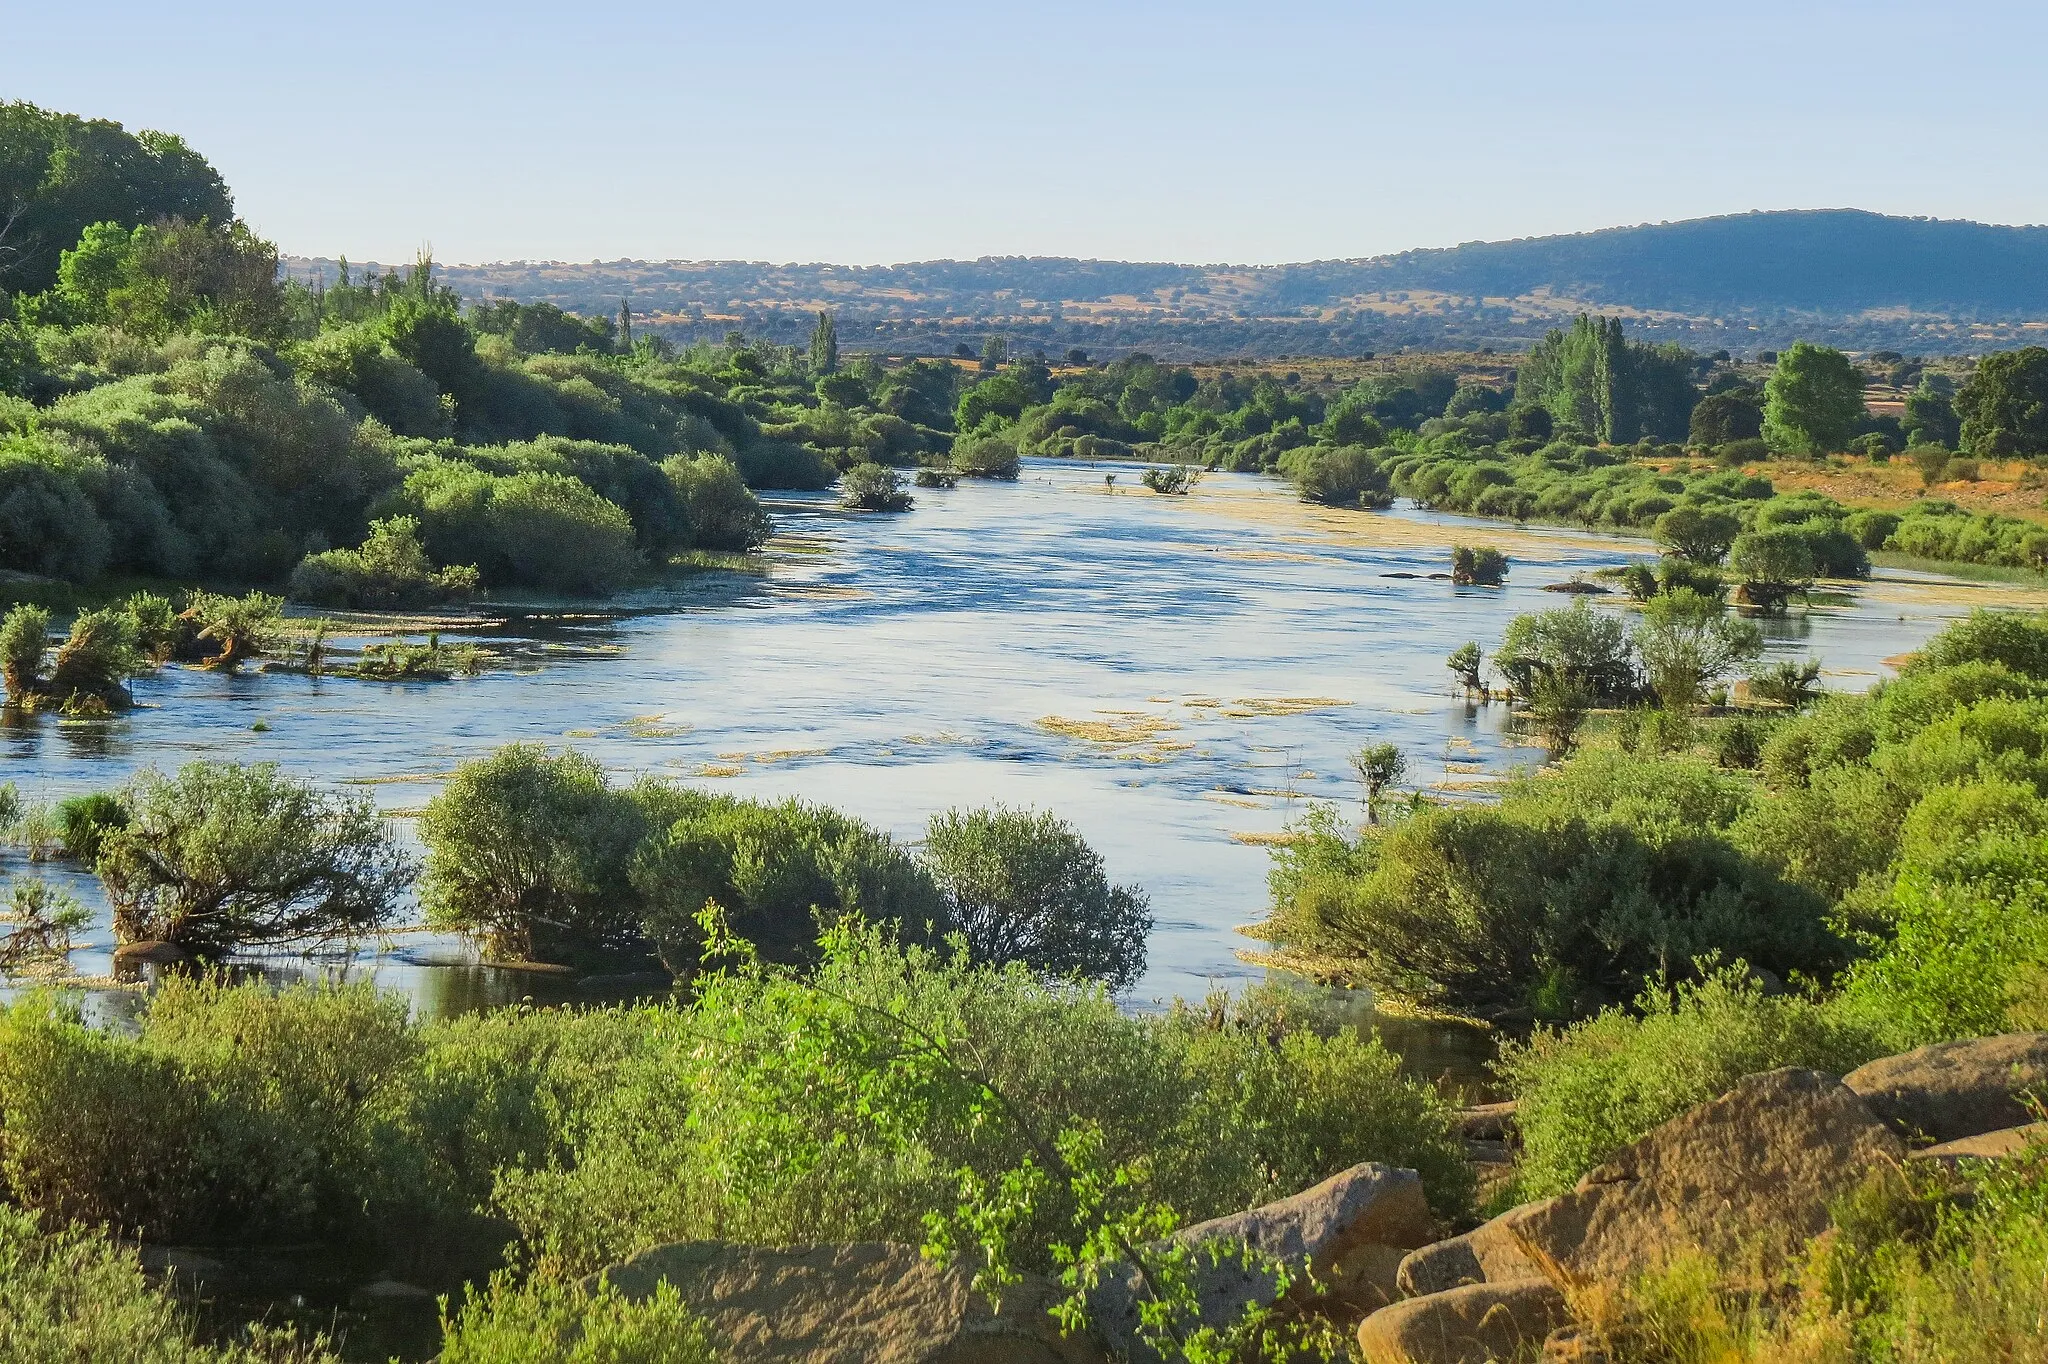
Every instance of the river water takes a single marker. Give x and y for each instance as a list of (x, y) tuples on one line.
[(1177, 676)]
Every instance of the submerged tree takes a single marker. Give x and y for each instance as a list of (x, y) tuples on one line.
[(1687, 640), (1379, 766), (1465, 662)]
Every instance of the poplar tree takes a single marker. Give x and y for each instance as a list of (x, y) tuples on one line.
[(824, 345), (625, 328)]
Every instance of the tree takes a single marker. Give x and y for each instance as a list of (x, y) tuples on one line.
[(873, 487), (1465, 662), (95, 661), (1591, 647), (1379, 766), (1774, 565), (2004, 404), (240, 627), (1480, 566), (529, 852), (1931, 416), (1724, 417), (824, 346), (724, 513), (625, 342), (994, 352), (1813, 401), (1616, 390), (24, 640), (1024, 886), (222, 857), (1698, 535), (1687, 640)]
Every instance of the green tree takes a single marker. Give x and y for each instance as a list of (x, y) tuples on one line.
[(1724, 417), (2004, 404), (1024, 886), (1379, 766), (1774, 565), (24, 640), (1813, 401), (1687, 640), (1465, 662), (528, 852), (1698, 535), (1931, 416), (222, 857), (873, 487), (1616, 390), (824, 345), (724, 513), (994, 352), (1576, 642)]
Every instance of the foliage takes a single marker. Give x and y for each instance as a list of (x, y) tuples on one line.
[(1023, 886), (873, 487), (24, 640), (38, 923), (221, 857), (389, 571), (547, 1322), (2004, 404), (1773, 565), (1465, 662), (240, 628), (1792, 685), (1703, 536), (1687, 641), (1177, 479), (1575, 644), (85, 821), (1379, 766), (1593, 379), (1337, 476), (528, 851), (985, 457), (541, 530), (781, 873), (1483, 566), (1813, 400), (723, 512)]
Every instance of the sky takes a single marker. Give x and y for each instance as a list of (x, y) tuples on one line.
[(1198, 132)]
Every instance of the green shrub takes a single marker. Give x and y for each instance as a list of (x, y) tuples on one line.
[(723, 512), (781, 464), (1573, 642), (389, 571), (528, 852), (992, 456), (538, 530), (873, 487), (1340, 476), (1587, 1091), (24, 640), (2019, 642), (547, 1322), (222, 856), (95, 661), (239, 628), (1484, 566), (781, 873), (1025, 887), (85, 821)]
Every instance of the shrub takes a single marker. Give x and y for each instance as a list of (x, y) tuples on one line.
[(547, 1322), (221, 857), (2019, 642), (24, 640), (1687, 641), (1340, 476), (94, 661), (240, 628), (936, 478), (535, 529), (1774, 565), (528, 852), (1484, 566), (1573, 642), (1792, 685), (1024, 887), (723, 511), (1698, 535), (85, 821), (873, 487), (992, 456), (1173, 479), (780, 464), (781, 873), (1591, 1089), (388, 571)]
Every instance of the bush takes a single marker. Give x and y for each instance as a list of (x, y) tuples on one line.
[(1573, 642), (390, 571), (1589, 1090), (723, 511), (1024, 887), (781, 873), (873, 487), (240, 628), (24, 640), (936, 478), (1340, 476), (222, 857), (528, 852), (547, 1322), (985, 457), (538, 530), (1173, 479), (1484, 566), (85, 821)]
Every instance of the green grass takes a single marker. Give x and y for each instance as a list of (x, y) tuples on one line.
[(1987, 573)]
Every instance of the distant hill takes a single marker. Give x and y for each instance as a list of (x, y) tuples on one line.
[(1745, 282)]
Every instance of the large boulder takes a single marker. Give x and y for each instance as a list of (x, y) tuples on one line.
[(871, 1302), (1746, 1178), (1489, 1253), (1955, 1089), (2008, 1143), (1476, 1324), (1348, 1230)]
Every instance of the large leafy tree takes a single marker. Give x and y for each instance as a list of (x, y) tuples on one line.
[(174, 276), (1931, 416), (1616, 390), (2004, 406), (1813, 401), (59, 174)]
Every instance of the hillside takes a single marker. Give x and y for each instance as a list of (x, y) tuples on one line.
[(1744, 282)]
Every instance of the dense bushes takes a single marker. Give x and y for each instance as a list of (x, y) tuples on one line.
[(388, 571), (722, 511), (539, 530)]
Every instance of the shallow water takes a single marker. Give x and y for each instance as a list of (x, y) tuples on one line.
[(1176, 676)]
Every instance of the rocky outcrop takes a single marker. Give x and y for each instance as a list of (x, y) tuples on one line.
[(1489, 1253), (1748, 1176), (2004, 1144), (1956, 1089), (1476, 1324), (834, 1304), (1350, 1230)]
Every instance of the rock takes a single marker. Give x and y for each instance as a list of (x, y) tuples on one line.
[(1476, 1324), (1955, 1089), (2003, 1144), (1574, 1345), (1487, 1122), (1748, 1177), (187, 1270), (866, 1301), (1489, 1253), (1325, 1227), (1362, 1280), (150, 953)]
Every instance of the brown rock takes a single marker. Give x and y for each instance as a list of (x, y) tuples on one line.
[(1748, 1176), (2000, 1145), (1363, 1280), (866, 1301), (1324, 1227), (1487, 1254), (1955, 1089), (1487, 1122), (150, 953), (1476, 1324)]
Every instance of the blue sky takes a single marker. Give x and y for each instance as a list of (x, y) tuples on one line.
[(1195, 132)]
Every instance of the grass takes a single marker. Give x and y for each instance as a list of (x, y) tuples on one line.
[(1986, 573)]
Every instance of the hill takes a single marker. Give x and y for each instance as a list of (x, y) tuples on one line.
[(1744, 282)]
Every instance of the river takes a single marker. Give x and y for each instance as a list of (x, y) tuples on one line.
[(1177, 676)]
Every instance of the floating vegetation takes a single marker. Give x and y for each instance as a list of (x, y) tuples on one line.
[(720, 561), (773, 755), (433, 661), (400, 778), (1249, 706), (1122, 729), (654, 727), (1222, 797), (1285, 838), (720, 770)]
